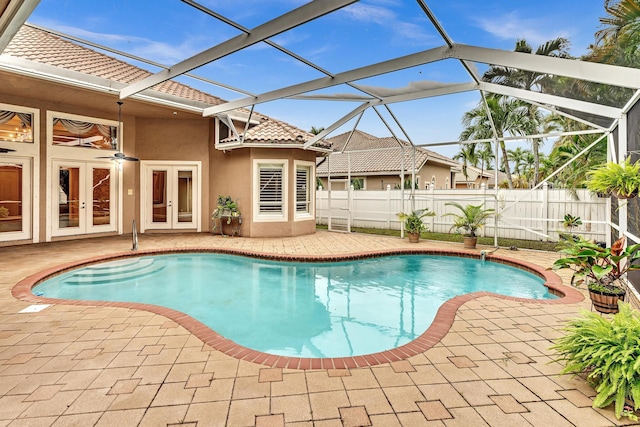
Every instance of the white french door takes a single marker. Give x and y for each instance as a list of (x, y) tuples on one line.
[(15, 199), (84, 197), (171, 196)]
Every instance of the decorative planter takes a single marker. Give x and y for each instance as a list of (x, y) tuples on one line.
[(606, 302), (470, 242), (413, 237)]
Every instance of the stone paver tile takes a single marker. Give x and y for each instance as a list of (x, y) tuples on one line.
[(417, 419), (182, 371), (11, 382), (387, 377), (519, 357), (193, 354), (101, 361), (493, 351), (462, 362), (90, 353), (87, 419), (489, 370), (419, 359), (465, 417), (222, 368), (338, 372), (434, 410), (12, 406), (199, 380), (292, 383), (438, 354), (494, 416), (514, 388), (446, 393), (508, 404), (248, 369), (374, 400), (93, 400), (337, 422), (44, 392), (124, 386), (454, 374), (218, 390), (58, 364), (173, 394), (325, 405), (211, 414), (402, 366), (167, 355), (541, 414), (453, 339), (75, 379), (475, 392), (45, 408), (355, 416), (384, 420), (174, 341), (244, 412), (22, 384), (542, 387), (427, 374), (403, 399), (163, 415), (19, 359), (276, 420), (127, 358), (250, 388), (295, 408), (152, 374), (577, 398), (360, 378), (139, 343), (318, 381), (588, 416), (30, 422), (141, 397), (470, 351), (270, 375), (108, 377), (127, 417), (149, 350)]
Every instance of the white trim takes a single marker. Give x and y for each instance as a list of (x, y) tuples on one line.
[(261, 217), (310, 215)]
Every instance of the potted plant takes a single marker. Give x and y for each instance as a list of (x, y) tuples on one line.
[(600, 269), (470, 219), (607, 351), (413, 223), (622, 180)]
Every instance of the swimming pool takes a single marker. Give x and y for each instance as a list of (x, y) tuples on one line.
[(298, 309)]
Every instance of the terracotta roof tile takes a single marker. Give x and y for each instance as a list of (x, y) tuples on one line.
[(271, 131)]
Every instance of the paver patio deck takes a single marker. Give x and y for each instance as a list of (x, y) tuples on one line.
[(108, 366)]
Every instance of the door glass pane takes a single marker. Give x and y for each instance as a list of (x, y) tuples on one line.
[(159, 196), (101, 196), (185, 196), (69, 197), (10, 197)]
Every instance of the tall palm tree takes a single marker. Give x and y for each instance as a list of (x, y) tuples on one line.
[(485, 156), (530, 80), (467, 156), (315, 131), (621, 33), (518, 157), (509, 117)]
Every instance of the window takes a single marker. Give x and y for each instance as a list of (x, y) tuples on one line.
[(270, 186), (304, 189), (87, 134), (16, 126), (357, 183)]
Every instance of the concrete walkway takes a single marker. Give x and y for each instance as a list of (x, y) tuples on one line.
[(107, 366)]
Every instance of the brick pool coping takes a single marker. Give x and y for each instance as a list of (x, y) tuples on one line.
[(437, 330)]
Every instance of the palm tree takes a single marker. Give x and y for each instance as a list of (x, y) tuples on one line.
[(510, 117), (517, 156), (485, 156), (467, 156), (620, 36), (530, 80), (315, 131)]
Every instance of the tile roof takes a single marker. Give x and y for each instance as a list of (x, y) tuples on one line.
[(272, 131), (365, 153), (40, 46)]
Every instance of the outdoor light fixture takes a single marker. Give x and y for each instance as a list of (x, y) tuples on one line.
[(120, 156)]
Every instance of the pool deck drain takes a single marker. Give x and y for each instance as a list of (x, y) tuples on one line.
[(101, 365)]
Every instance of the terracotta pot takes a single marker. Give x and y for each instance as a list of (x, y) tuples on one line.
[(470, 242), (413, 237), (605, 302)]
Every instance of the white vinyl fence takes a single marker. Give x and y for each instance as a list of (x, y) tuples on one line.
[(523, 214)]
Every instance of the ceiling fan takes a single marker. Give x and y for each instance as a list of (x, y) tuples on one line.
[(6, 150), (120, 156)]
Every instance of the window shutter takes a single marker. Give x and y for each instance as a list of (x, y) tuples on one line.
[(271, 196), (302, 190)]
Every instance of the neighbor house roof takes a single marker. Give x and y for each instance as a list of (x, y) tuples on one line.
[(474, 173), (368, 154), (272, 132)]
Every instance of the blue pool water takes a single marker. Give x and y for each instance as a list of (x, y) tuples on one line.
[(298, 309)]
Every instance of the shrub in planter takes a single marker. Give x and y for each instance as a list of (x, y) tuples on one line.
[(413, 222), (608, 352)]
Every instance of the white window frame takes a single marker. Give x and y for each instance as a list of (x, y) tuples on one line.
[(311, 187), (270, 217), (364, 182)]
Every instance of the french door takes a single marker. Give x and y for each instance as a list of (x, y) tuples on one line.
[(15, 199), (171, 196), (84, 198)]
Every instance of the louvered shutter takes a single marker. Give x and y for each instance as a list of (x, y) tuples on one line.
[(303, 200), (271, 187)]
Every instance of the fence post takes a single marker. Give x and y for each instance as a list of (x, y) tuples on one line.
[(545, 208), (432, 219), (483, 191), (388, 207)]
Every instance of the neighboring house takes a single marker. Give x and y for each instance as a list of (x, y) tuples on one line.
[(60, 129), (374, 163), (476, 177)]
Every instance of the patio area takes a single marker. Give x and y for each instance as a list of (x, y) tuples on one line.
[(106, 366)]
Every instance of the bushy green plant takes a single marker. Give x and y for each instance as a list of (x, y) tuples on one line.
[(413, 222), (608, 351), (620, 179), (471, 217), (597, 266)]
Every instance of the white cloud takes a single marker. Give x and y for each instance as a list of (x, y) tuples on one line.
[(511, 26)]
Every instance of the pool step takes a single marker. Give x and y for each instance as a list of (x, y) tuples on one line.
[(115, 271)]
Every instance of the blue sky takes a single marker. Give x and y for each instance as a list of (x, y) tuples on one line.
[(168, 31)]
